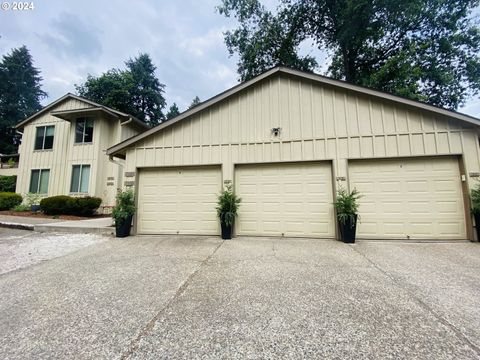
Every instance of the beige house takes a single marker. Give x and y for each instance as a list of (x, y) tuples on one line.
[(288, 140), (63, 149)]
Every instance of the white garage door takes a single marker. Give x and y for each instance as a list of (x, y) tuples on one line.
[(285, 199), (178, 200), (409, 198)]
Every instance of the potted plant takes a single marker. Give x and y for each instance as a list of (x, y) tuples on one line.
[(475, 196), (32, 200), (122, 213), (346, 205), (228, 204)]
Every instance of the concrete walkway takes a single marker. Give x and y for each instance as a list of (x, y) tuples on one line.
[(102, 226)]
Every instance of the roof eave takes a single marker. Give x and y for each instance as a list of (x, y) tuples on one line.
[(305, 75)]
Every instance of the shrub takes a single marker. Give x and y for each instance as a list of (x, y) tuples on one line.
[(8, 183), (21, 207), (67, 205), (475, 196), (124, 207), (32, 199), (87, 206), (9, 200), (56, 205)]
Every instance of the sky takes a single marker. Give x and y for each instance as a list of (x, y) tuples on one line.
[(71, 39)]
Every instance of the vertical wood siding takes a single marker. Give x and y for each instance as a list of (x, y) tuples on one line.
[(318, 122), (66, 153)]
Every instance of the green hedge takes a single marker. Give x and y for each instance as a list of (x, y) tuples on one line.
[(68, 205), (8, 183), (8, 200)]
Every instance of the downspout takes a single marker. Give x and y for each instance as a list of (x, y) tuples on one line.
[(120, 165)]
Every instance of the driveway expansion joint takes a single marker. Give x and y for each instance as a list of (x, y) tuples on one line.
[(422, 303), (133, 346)]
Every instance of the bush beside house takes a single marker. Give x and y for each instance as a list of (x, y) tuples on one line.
[(68, 205), (9, 200), (8, 183)]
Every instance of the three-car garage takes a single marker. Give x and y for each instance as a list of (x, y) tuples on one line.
[(407, 198), (287, 141)]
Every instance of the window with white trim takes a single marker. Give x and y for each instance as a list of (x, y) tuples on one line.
[(44, 137), (84, 130), (80, 179), (39, 181)]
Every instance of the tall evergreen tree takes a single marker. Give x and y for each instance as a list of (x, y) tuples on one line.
[(20, 94), (136, 90), (172, 111), (111, 89), (147, 91), (195, 102)]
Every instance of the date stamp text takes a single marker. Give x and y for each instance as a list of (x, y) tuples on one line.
[(17, 5)]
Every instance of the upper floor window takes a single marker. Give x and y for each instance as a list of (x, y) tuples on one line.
[(84, 130), (44, 137), (39, 181)]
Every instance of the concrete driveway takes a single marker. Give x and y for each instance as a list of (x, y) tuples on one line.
[(201, 298)]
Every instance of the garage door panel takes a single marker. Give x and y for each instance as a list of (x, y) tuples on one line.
[(178, 200), (290, 199), (409, 198)]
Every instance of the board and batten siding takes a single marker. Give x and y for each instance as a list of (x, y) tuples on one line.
[(317, 121), (66, 153)]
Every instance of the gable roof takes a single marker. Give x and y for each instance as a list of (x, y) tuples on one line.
[(303, 75), (94, 105)]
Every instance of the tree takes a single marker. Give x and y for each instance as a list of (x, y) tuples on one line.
[(172, 112), (136, 90), (147, 91), (195, 102), (20, 94), (111, 89), (422, 49)]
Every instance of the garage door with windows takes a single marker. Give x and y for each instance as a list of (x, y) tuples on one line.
[(416, 198), (285, 199), (178, 200)]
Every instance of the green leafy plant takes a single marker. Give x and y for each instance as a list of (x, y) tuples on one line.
[(32, 199), (8, 183), (68, 205), (9, 200), (21, 207), (11, 163), (124, 207), (475, 196), (346, 205), (228, 204)]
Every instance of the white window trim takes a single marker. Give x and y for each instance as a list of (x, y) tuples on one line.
[(44, 136), (80, 179), (39, 180), (83, 142)]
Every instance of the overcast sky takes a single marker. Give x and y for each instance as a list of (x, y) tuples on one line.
[(71, 39)]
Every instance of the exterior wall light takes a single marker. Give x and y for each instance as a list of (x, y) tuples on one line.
[(276, 131)]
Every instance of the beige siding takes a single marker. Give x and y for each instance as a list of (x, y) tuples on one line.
[(129, 130), (8, 171), (318, 122), (66, 153)]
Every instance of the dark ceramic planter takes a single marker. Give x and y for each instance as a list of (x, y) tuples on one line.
[(348, 230), (34, 208), (122, 229), (227, 231), (477, 225)]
